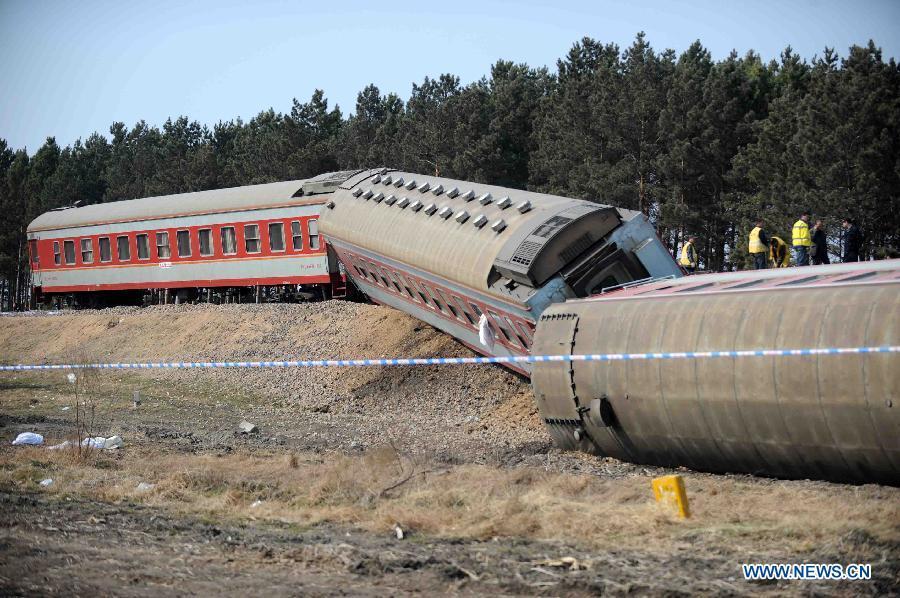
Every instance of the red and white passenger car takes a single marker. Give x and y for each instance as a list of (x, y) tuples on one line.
[(228, 242)]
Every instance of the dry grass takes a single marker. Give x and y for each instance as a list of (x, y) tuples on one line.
[(380, 489)]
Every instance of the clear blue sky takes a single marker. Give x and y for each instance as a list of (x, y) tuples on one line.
[(73, 67)]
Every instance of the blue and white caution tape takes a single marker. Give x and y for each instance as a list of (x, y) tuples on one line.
[(457, 360)]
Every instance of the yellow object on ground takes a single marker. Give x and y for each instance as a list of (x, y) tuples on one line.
[(670, 489)]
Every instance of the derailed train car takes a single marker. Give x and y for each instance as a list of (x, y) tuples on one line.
[(448, 251), (832, 416), (225, 242)]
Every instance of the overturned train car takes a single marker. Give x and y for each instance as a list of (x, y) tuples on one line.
[(833, 417), (449, 251)]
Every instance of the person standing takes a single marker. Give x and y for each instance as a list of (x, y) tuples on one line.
[(852, 240), (820, 244), (759, 246), (801, 240), (689, 259)]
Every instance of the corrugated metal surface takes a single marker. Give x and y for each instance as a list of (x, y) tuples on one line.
[(249, 197), (416, 222), (834, 416)]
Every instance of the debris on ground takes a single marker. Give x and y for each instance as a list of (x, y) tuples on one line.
[(566, 562), (145, 487), (246, 427), (100, 442), (47, 482), (28, 438), (398, 531)]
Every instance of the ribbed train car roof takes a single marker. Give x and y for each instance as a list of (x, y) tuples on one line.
[(459, 252), (249, 197)]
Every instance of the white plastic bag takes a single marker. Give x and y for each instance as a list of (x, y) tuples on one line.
[(485, 332), (29, 438), (96, 442), (99, 442)]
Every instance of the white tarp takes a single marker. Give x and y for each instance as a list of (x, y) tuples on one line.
[(29, 438)]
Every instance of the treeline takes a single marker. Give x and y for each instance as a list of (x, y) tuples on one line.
[(701, 146)]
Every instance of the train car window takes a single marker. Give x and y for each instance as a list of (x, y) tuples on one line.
[(297, 235), (512, 330), (313, 234), (395, 283), (143, 247), (276, 236), (449, 305), (69, 248), (395, 278), (206, 242), (435, 300), (501, 325), (251, 238), (465, 310), (524, 331), (476, 309), (183, 240), (162, 246), (123, 249), (229, 240), (105, 250), (33, 252), (57, 258), (386, 277), (87, 251)]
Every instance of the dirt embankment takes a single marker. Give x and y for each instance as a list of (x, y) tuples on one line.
[(454, 456), (456, 412)]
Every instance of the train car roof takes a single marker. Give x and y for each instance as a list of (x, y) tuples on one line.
[(771, 279), (249, 197), (454, 229)]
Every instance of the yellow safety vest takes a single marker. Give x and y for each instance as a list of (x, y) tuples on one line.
[(688, 255), (801, 234), (756, 246), (778, 251)]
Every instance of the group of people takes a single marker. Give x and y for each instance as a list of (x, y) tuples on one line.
[(808, 246)]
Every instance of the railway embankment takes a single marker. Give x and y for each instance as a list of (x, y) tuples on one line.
[(454, 457)]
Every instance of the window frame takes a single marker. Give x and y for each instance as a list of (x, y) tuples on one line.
[(212, 245), (234, 240), (66, 244), (89, 251), (315, 240), (146, 238), (449, 305), (119, 257), (57, 254), (465, 310), (33, 256), (248, 239), (501, 324), (280, 225), (297, 235), (178, 237), (108, 249), (163, 234)]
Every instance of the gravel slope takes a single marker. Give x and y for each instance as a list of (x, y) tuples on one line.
[(452, 412)]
